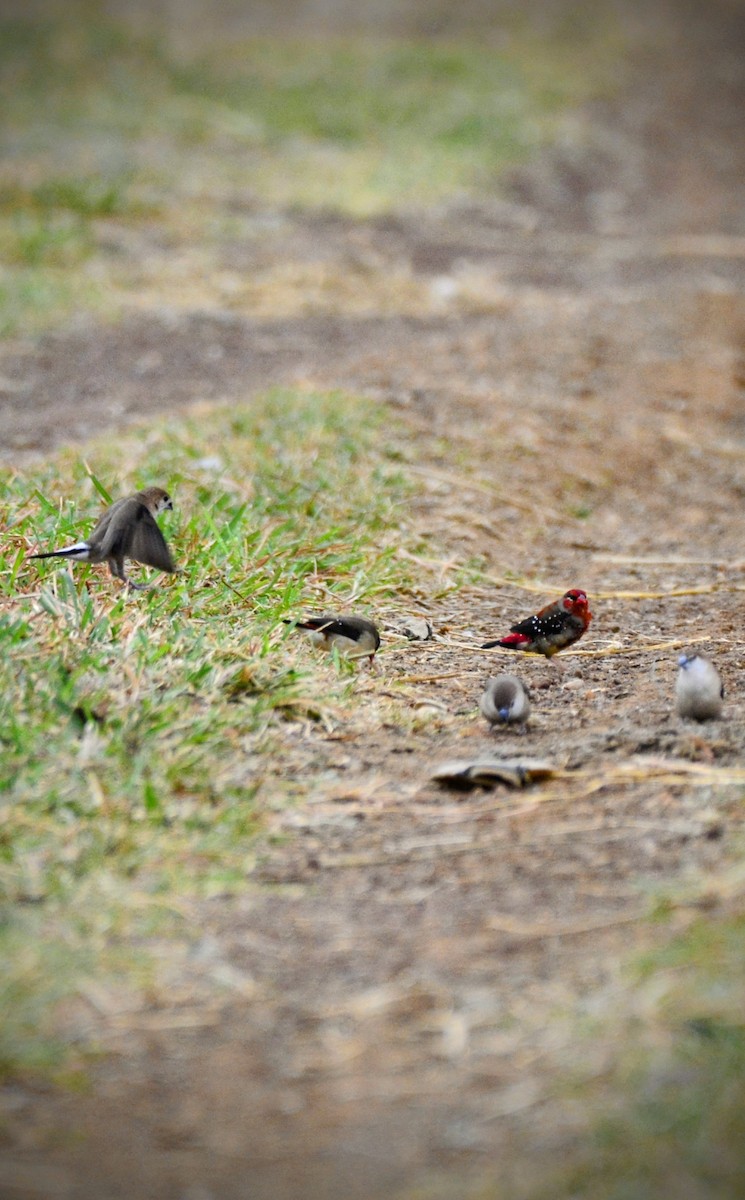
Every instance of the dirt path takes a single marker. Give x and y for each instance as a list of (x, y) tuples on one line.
[(387, 1009)]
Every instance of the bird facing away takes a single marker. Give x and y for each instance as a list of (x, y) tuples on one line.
[(552, 629), (355, 637), (505, 701), (125, 530), (699, 691)]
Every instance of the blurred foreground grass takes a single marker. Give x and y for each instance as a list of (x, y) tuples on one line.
[(114, 149), (666, 1117)]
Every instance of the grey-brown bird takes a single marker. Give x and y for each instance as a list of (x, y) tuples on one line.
[(356, 637), (125, 530), (699, 691), (505, 701)]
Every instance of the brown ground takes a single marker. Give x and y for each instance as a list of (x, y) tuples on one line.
[(394, 1013)]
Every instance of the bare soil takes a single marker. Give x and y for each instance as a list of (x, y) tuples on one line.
[(388, 1008)]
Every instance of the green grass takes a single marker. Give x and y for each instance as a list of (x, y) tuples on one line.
[(139, 732), (105, 129)]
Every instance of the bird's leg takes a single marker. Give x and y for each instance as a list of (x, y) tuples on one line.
[(116, 566), (558, 667)]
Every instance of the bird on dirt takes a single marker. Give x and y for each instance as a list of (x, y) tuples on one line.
[(699, 691), (356, 637), (505, 701), (551, 629), (125, 530)]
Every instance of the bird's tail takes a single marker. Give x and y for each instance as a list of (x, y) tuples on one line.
[(80, 552), (513, 641)]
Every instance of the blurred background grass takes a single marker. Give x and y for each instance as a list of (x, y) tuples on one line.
[(132, 130)]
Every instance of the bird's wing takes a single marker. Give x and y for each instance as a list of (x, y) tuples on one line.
[(132, 532), (528, 627), (147, 544), (324, 624), (98, 532), (355, 628)]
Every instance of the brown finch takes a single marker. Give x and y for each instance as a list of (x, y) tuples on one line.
[(125, 530)]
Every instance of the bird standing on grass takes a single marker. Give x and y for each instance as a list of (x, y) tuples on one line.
[(125, 530), (505, 701), (699, 691), (552, 629), (356, 637)]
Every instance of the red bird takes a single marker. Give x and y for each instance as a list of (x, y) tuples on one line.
[(550, 630)]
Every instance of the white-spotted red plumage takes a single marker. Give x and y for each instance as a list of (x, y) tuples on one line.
[(551, 629)]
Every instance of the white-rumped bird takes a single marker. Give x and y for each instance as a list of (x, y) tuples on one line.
[(355, 637), (127, 529)]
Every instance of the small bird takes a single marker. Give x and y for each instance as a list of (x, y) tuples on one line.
[(125, 530), (505, 701), (699, 691), (354, 636), (550, 630)]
